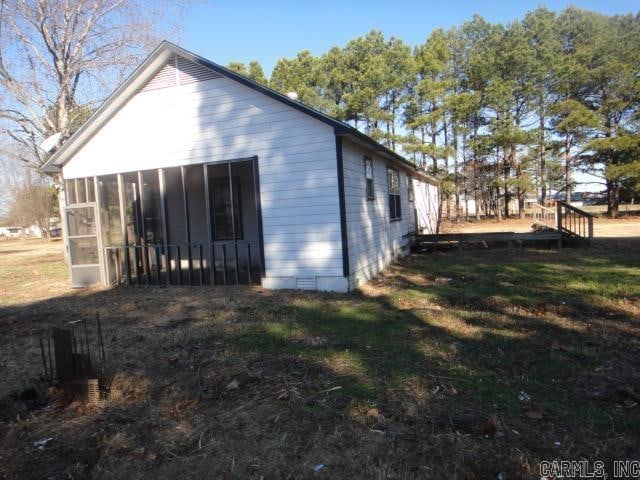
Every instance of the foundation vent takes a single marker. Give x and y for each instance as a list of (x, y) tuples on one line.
[(179, 71), (306, 283)]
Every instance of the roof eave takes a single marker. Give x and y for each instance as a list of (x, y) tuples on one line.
[(109, 107), (153, 63), (361, 138)]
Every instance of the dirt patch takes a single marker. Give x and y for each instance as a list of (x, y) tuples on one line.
[(603, 227), (450, 365)]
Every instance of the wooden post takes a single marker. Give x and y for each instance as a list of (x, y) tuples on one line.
[(559, 213), (145, 249), (185, 202), (224, 263), (179, 264), (258, 202), (123, 225), (590, 220), (158, 264), (165, 228), (210, 247), (104, 272), (249, 262), (233, 222)]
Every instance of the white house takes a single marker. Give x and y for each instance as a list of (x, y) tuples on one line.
[(192, 174)]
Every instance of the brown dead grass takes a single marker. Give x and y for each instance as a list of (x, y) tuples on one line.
[(416, 376), (602, 228)]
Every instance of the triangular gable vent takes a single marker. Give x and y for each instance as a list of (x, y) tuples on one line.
[(179, 71)]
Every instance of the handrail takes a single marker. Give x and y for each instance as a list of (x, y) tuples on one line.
[(540, 212), (574, 221)]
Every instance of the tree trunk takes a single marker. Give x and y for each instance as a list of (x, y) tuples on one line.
[(543, 162), (521, 194), (505, 172), (434, 159), (567, 169), (456, 183), (446, 164), (613, 198), (475, 166), (464, 175)]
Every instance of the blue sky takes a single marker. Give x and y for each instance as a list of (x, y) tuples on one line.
[(242, 30)]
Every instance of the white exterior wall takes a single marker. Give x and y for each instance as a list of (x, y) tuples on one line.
[(218, 120), (426, 198), (374, 240)]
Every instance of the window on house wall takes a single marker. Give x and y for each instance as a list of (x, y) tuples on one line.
[(393, 185), (368, 175)]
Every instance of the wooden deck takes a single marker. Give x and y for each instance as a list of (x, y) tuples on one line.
[(571, 225), (431, 241)]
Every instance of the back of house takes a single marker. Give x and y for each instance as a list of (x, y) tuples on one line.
[(192, 174)]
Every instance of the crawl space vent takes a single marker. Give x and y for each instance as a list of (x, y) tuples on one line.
[(306, 284), (180, 71)]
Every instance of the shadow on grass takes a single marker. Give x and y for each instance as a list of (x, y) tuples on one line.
[(409, 372)]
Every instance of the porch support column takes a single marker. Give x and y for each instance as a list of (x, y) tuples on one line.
[(256, 191), (165, 228), (143, 240), (233, 221), (212, 270), (104, 271), (185, 203), (123, 226)]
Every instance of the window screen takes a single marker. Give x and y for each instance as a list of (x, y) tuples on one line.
[(368, 175), (393, 185)]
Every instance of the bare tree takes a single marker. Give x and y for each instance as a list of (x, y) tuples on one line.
[(59, 58), (27, 197)]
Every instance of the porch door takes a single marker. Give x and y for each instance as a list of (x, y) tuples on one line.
[(83, 245)]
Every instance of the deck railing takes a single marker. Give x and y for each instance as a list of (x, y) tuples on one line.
[(232, 263), (542, 213), (574, 221)]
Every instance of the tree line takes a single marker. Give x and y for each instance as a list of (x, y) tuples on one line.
[(496, 112), (58, 61)]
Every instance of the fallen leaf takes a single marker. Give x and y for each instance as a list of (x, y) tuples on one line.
[(536, 413), (492, 426), (233, 385), (373, 412)]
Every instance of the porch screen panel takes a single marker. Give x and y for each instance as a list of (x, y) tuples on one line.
[(84, 251), (70, 191), (132, 208), (176, 222), (152, 212), (110, 210), (81, 190), (81, 222), (83, 246)]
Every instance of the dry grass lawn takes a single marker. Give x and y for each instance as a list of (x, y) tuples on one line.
[(623, 227), (460, 365)]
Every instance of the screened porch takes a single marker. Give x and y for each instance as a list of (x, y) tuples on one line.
[(189, 225)]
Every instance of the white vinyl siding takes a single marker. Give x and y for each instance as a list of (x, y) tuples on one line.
[(426, 205), (219, 119), (374, 241)]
